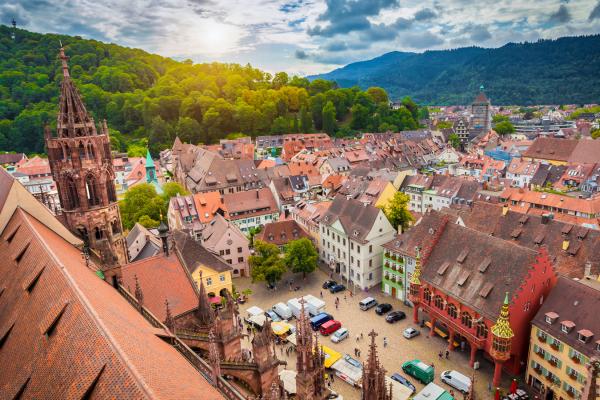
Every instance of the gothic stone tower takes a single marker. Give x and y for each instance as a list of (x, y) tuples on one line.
[(310, 384), (373, 381), (82, 168)]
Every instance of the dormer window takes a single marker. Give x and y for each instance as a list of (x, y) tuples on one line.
[(567, 326), (598, 346), (584, 335), (551, 317)]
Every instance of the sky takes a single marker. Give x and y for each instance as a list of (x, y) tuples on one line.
[(304, 36)]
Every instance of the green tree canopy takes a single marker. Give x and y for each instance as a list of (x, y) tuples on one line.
[(504, 128), (397, 212), (266, 263), (301, 256)]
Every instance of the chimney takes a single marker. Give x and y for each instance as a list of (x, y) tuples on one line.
[(257, 196), (588, 269), (545, 219), (565, 245), (505, 209)]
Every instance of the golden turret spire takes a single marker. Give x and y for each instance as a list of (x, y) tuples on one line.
[(414, 279), (502, 327)]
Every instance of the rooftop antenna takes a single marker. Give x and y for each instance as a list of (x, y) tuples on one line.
[(13, 34)]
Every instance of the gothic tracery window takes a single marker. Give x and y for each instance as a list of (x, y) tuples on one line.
[(452, 311), (81, 151), (427, 295), (91, 188), (72, 195), (439, 302), (482, 330)]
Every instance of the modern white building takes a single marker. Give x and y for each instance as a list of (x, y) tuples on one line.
[(352, 234)]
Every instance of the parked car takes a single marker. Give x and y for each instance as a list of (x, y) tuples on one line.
[(272, 315), (383, 308), (329, 283), (329, 327), (410, 332), (320, 319), (352, 361), (395, 316), (337, 288), (402, 380), (456, 380), (418, 369), (340, 335), (367, 303)]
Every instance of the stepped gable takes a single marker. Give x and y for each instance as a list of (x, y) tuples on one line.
[(68, 334)]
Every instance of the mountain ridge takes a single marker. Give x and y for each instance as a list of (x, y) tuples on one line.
[(548, 71)]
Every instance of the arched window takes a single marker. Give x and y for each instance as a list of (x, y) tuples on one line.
[(115, 227), (72, 195), (65, 152), (452, 311), (427, 295), (81, 150), (482, 330), (91, 188), (90, 151), (466, 319), (439, 302), (83, 233), (98, 233), (110, 190)]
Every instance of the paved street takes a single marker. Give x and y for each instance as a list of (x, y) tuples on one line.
[(398, 350)]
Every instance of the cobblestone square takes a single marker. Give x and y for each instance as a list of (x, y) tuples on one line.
[(357, 321)]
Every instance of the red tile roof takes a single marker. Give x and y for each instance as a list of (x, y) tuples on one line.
[(152, 273), (68, 331), (282, 232)]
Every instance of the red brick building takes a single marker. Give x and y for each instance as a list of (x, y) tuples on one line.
[(482, 292)]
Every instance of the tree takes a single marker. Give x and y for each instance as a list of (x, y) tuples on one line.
[(397, 212), (141, 200), (329, 123), (301, 256), (499, 118), (172, 189), (444, 125), (504, 128), (280, 79), (378, 94), (266, 263), (595, 134), (454, 140), (305, 121)]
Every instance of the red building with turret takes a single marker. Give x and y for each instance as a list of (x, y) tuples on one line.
[(482, 292)]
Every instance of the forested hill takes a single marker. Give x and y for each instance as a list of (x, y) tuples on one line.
[(148, 99), (561, 71)]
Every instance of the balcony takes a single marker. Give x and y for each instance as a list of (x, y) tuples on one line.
[(552, 362), (573, 375), (576, 359), (571, 393), (538, 369), (540, 353), (542, 339), (555, 346)]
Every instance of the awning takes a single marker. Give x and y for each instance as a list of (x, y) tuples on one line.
[(215, 300), (281, 328)]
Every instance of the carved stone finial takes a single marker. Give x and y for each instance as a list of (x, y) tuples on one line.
[(139, 295)]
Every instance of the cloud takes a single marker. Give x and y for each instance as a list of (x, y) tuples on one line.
[(301, 54), (345, 16), (425, 14), (595, 14), (477, 33), (561, 16), (336, 46), (291, 6)]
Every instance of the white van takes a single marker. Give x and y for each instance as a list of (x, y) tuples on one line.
[(283, 311), (456, 380), (367, 303)]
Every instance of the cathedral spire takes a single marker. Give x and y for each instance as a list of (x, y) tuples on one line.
[(73, 118), (374, 387)]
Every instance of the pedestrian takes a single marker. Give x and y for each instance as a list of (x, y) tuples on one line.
[(321, 294), (432, 366), (355, 352), (489, 386), (332, 380), (345, 299), (361, 336), (351, 293), (462, 345), (452, 393), (440, 356), (385, 342), (336, 306), (447, 354), (357, 338), (358, 353)]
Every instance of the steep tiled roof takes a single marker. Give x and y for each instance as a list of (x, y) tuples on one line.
[(35, 166), (11, 158), (551, 149), (215, 229), (68, 334), (255, 202), (282, 232), (533, 231), (208, 204), (192, 253), (553, 201), (576, 303), (465, 250), (152, 274), (407, 242), (356, 218)]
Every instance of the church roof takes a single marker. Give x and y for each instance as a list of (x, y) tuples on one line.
[(68, 334), (149, 161)]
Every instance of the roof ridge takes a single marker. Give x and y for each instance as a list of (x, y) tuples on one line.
[(103, 330)]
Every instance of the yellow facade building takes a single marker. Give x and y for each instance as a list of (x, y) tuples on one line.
[(203, 264), (564, 338)]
